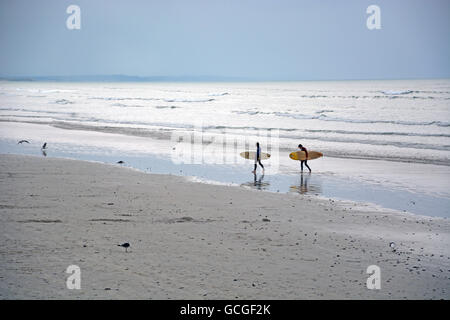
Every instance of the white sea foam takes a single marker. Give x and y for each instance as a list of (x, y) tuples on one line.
[(397, 92)]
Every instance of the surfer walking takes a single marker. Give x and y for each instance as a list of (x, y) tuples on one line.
[(258, 158), (302, 148)]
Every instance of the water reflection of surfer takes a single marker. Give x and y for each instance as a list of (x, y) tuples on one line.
[(258, 182), (303, 184), (306, 185)]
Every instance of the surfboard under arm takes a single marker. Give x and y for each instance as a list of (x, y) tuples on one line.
[(301, 155)]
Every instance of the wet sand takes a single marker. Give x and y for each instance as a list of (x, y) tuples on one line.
[(196, 241)]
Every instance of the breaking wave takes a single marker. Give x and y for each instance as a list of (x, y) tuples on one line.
[(219, 94), (63, 101), (395, 93), (189, 100), (323, 117)]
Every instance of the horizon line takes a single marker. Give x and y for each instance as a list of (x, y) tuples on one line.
[(187, 78)]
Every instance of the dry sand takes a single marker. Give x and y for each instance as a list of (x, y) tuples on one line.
[(197, 241)]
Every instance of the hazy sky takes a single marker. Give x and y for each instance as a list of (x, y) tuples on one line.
[(261, 39)]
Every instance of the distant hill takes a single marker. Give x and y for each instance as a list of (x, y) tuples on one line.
[(124, 78)]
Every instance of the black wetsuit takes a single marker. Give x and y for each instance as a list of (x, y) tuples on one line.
[(305, 161), (258, 158)]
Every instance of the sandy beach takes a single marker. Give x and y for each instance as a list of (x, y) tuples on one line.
[(252, 152), (198, 241)]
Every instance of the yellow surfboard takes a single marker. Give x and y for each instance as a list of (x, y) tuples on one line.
[(251, 155), (301, 155)]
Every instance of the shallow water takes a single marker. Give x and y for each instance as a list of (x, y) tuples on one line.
[(319, 183)]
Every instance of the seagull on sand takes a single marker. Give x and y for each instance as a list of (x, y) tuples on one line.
[(126, 245)]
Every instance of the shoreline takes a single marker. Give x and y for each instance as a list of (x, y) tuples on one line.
[(196, 241), (164, 134), (417, 188)]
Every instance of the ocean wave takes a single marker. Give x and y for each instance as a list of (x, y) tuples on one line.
[(151, 99), (324, 117), (33, 90), (123, 98), (251, 128), (360, 97), (218, 94), (122, 105), (433, 91), (388, 133), (369, 142), (396, 92), (63, 101), (252, 113), (313, 96), (167, 107), (37, 111), (324, 111), (189, 100)]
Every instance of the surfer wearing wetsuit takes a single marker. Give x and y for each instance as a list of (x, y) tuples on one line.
[(258, 157), (302, 148)]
